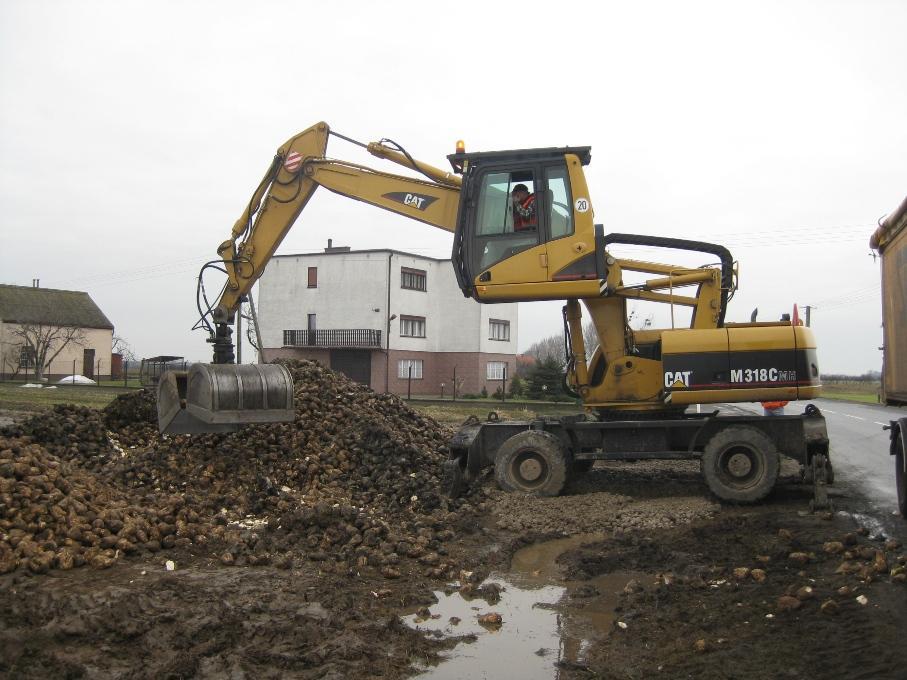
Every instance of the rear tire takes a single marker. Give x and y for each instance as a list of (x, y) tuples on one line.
[(740, 464), (533, 462)]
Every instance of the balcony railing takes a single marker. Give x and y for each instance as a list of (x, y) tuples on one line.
[(336, 338)]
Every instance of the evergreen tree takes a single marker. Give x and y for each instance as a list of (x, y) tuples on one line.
[(516, 386), (546, 381)]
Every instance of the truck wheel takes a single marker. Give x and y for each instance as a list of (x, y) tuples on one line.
[(900, 479), (533, 462), (740, 464)]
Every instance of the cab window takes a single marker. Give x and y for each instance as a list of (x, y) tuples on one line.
[(504, 228), (560, 211)]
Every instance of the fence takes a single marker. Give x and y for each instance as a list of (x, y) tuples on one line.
[(339, 338)]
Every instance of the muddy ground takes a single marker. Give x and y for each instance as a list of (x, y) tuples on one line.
[(697, 590)]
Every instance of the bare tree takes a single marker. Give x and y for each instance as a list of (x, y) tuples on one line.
[(11, 359), (590, 338), (552, 347), (122, 347), (44, 342)]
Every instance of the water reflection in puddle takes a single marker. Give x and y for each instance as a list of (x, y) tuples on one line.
[(541, 626)]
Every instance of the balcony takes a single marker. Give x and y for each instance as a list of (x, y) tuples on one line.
[(334, 338)]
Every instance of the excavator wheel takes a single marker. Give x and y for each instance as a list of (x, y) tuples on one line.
[(740, 464), (533, 462)]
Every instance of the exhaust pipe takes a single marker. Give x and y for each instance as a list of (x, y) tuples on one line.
[(223, 397)]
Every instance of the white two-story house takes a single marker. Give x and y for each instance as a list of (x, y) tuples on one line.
[(392, 320)]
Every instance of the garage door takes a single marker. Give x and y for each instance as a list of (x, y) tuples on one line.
[(356, 364)]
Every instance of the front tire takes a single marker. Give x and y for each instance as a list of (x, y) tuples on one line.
[(533, 462), (740, 464)]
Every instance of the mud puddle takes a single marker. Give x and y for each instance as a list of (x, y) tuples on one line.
[(546, 622)]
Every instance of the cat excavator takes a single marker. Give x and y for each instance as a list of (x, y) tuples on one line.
[(636, 385)]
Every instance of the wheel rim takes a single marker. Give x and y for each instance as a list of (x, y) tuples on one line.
[(740, 466), (529, 469)]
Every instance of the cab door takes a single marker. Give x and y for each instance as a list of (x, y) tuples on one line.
[(567, 216), (498, 253)]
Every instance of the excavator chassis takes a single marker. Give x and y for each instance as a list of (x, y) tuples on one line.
[(739, 453)]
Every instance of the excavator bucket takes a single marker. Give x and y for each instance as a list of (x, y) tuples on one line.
[(223, 397)]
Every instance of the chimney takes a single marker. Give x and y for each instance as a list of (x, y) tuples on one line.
[(338, 249)]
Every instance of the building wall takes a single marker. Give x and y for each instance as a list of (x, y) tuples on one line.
[(437, 368), (349, 291), (99, 339), (363, 290)]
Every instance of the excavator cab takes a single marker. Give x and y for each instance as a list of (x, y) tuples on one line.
[(524, 221)]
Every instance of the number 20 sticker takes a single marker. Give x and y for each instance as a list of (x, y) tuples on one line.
[(582, 205)]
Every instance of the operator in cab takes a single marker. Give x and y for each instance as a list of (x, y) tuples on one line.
[(524, 213)]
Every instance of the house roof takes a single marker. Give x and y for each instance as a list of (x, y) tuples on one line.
[(23, 304), (338, 251)]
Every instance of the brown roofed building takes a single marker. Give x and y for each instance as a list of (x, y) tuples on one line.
[(65, 326)]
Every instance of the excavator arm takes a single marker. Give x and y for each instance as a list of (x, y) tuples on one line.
[(218, 396), (297, 170)]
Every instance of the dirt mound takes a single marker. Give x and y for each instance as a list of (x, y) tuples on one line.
[(72, 433), (354, 479), (131, 408), (347, 444), (56, 515)]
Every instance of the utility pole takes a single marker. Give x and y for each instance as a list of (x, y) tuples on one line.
[(261, 359), (808, 309)]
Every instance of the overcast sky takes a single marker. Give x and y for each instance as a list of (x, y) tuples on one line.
[(133, 133)]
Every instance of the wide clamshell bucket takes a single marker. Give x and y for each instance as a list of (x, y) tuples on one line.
[(223, 397)]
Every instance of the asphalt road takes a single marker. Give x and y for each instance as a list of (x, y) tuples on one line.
[(859, 447)]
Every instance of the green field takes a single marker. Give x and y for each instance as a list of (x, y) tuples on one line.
[(454, 413), (852, 390), (14, 397)]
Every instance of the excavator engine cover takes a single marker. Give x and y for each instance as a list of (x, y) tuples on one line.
[(223, 397)]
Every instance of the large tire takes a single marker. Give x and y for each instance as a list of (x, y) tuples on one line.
[(533, 462), (900, 476), (740, 464)]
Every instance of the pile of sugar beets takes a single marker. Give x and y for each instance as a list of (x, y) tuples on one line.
[(353, 483)]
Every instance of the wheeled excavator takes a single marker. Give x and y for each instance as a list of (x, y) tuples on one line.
[(636, 385)]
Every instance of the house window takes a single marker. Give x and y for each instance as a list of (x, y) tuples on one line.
[(26, 357), (496, 370), (412, 279), (412, 326), (313, 277), (498, 329), (404, 365)]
